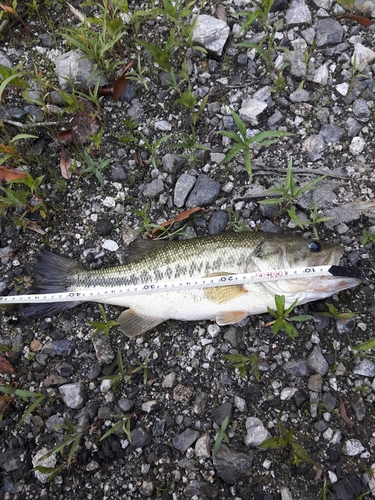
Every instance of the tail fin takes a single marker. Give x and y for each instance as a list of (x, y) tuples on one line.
[(52, 274)]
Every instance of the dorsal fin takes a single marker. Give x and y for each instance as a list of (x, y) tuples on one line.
[(141, 247)]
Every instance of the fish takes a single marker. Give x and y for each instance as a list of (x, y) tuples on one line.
[(159, 261)]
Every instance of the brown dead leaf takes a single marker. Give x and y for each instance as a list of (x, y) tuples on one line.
[(358, 19), (65, 136), (65, 164), (34, 226), (120, 84), (349, 422), (10, 174), (221, 13), (8, 149), (83, 126), (180, 217), (5, 366)]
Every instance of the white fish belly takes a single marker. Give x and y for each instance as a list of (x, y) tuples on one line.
[(193, 305)]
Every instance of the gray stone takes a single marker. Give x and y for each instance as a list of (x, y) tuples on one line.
[(75, 67), (182, 189), (298, 64), (328, 32), (296, 368), (103, 349), (361, 110), (300, 95), (298, 13), (73, 395), (232, 466), (365, 368), (129, 93), (321, 425), (211, 33), (59, 348), (250, 109), (329, 401), (5, 61), (314, 146), (35, 112), (316, 362), (218, 222), (139, 438), (275, 119), (46, 40), (352, 447), (55, 424), (203, 446), (332, 133), (222, 412), (184, 440), (135, 110), (315, 383), (204, 193), (172, 163), (153, 188), (11, 459), (256, 432), (359, 409), (126, 404), (200, 489)]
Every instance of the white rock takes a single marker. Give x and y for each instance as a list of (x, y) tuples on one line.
[(162, 125), (342, 88), (250, 109), (47, 462), (321, 75), (211, 33), (110, 245), (352, 447), (357, 145), (362, 56)]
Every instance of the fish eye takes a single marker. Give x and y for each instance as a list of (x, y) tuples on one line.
[(315, 246)]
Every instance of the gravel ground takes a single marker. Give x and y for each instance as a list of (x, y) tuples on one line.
[(175, 385)]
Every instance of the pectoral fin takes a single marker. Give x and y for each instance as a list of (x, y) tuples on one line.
[(133, 324), (230, 317), (221, 294)]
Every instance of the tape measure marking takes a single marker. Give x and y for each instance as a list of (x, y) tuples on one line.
[(227, 280)]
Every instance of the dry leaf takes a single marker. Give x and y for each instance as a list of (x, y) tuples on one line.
[(10, 174), (78, 14), (359, 19), (180, 217), (65, 136), (344, 415), (221, 13), (83, 126), (120, 84), (34, 226), (5, 366), (65, 164)]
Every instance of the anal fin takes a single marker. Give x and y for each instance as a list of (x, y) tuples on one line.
[(230, 317), (132, 324)]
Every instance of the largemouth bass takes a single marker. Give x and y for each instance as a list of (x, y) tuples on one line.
[(159, 261)]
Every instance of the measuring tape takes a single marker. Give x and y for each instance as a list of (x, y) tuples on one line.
[(92, 295)]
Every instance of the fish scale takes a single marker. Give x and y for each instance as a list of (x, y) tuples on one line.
[(225, 254)]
